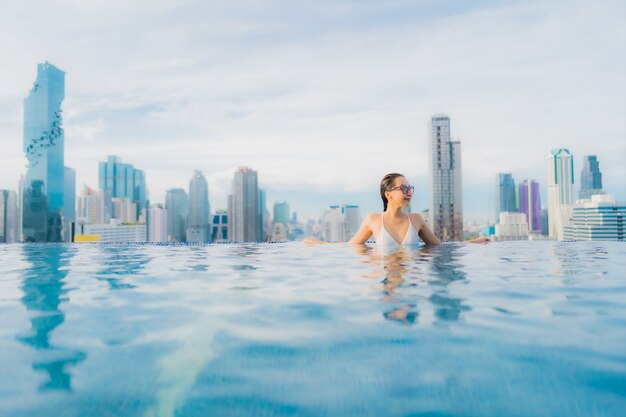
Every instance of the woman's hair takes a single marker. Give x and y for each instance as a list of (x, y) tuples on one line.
[(386, 184)]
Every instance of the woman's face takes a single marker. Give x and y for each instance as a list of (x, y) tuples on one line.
[(396, 196)]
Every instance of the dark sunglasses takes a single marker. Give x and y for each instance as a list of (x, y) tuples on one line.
[(405, 188)]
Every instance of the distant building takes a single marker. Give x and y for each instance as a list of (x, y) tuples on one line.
[(199, 209), (560, 191), (264, 217), (530, 204), (279, 234), (281, 213), (69, 202), (446, 198), (340, 222), (124, 210), (505, 194), (9, 218), (43, 207), (111, 232), (590, 178), (598, 218), (177, 206), (219, 226), (244, 213), (94, 206), (544, 222), (123, 181), (511, 226), (156, 223)]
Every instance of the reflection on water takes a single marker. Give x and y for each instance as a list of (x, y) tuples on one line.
[(120, 261), (43, 286), (405, 268)]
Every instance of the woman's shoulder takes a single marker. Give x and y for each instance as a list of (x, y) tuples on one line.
[(417, 218)]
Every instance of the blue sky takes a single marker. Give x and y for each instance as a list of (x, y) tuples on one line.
[(322, 98)]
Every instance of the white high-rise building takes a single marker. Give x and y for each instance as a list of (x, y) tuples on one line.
[(199, 209), (125, 210), (598, 218), (512, 226), (340, 223), (156, 223), (93, 206), (9, 217), (446, 197), (114, 231), (244, 215), (560, 191)]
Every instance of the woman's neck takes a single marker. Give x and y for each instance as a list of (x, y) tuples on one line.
[(395, 212)]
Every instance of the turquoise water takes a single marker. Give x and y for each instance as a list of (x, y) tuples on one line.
[(503, 329)]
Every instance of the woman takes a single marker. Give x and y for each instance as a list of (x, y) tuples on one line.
[(394, 227)]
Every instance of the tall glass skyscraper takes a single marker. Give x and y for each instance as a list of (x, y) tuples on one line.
[(244, 213), (44, 184), (281, 213), (123, 181), (590, 177), (177, 206), (505, 194), (199, 209), (530, 204), (560, 191), (446, 197)]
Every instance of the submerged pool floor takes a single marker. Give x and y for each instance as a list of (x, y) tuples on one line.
[(502, 329)]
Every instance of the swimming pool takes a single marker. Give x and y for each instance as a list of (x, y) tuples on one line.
[(512, 328)]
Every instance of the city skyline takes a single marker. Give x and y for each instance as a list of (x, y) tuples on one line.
[(281, 100)]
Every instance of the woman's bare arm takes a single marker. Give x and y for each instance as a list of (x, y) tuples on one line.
[(424, 231)]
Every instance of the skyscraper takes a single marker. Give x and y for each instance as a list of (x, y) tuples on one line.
[(198, 219), (530, 204), (43, 206), (340, 223), (281, 213), (177, 206), (156, 223), (560, 191), (8, 217), (597, 218), (244, 216), (446, 208), (123, 181), (590, 177), (219, 227), (263, 217), (505, 194)]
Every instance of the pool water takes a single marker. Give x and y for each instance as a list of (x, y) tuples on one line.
[(500, 329)]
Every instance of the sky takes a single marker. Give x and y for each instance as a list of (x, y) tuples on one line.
[(322, 98)]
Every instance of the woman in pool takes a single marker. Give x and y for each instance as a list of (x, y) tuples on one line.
[(394, 227)]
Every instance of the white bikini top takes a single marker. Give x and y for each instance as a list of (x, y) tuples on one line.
[(385, 239)]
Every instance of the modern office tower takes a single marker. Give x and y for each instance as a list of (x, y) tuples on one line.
[(244, 210), (124, 210), (91, 206), (123, 181), (199, 209), (530, 204), (43, 206), (560, 191), (281, 213), (9, 218), (505, 194), (340, 222), (511, 226), (219, 227), (446, 208), (69, 201), (590, 177), (20, 202), (177, 206), (598, 218), (156, 223), (264, 217), (114, 231)]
